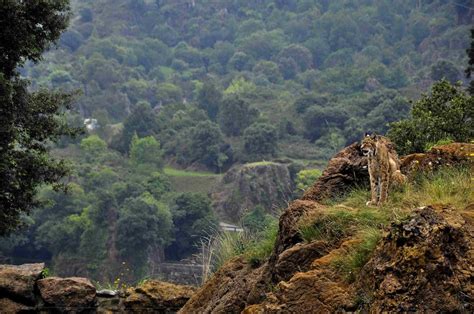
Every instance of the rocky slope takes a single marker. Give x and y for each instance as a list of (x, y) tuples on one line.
[(424, 263)]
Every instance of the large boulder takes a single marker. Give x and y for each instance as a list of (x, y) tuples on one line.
[(423, 265), (18, 282), (346, 169), (155, 296), (71, 295), (267, 184)]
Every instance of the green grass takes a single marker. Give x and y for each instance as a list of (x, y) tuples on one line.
[(259, 163), (357, 256), (173, 172), (192, 181)]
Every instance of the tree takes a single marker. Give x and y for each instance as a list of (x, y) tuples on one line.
[(444, 70), (144, 224), (447, 113), (236, 115), (470, 68), (146, 151), (209, 99), (260, 141), (28, 121), (193, 218), (142, 122), (205, 143)]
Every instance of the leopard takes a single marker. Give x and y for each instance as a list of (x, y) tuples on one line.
[(383, 166)]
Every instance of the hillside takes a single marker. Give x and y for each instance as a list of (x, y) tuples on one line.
[(306, 71)]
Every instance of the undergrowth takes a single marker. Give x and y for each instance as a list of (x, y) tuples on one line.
[(255, 247)]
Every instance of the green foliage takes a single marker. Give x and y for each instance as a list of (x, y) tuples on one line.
[(144, 224), (236, 115), (447, 113), (306, 178), (260, 141), (256, 220), (141, 122), (146, 151), (93, 146), (357, 256), (193, 218), (29, 122)]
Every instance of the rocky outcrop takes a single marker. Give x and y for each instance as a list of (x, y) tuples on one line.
[(72, 294), (424, 264), (22, 289), (267, 184), (229, 290), (17, 282), (437, 157), (156, 296), (345, 170)]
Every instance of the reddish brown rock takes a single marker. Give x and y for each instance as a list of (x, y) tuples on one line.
[(345, 170), (72, 295), (229, 290), (288, 232), (423, 265), (18, 282), (155, 296), (439, 156), (297, 259)]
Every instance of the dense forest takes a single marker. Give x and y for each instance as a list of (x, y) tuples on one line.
[(206, 85)]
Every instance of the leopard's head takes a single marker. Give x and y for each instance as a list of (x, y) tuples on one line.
[(368, 145)]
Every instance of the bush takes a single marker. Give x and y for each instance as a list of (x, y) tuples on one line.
[(447, 113)]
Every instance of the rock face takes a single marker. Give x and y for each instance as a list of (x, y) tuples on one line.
[(228, 290), (17, 282), (266, 183), (157, 297), (345, 170), (424, 264), (72, 294)]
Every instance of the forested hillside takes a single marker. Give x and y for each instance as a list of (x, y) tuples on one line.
[(288, 73), (182, 90)]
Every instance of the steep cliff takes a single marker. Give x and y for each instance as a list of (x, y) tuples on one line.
[(267, 184)]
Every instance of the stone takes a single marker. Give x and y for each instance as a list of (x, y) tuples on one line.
[(157, 296), (17, 282), (423, 264), (346, 169), (106, 293), (72, 295)]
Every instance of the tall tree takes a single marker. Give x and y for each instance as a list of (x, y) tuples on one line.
[(28, 121), (470, 68)]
